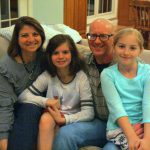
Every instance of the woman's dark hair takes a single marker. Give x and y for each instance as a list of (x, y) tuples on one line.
[(77, 63), (14, 48)]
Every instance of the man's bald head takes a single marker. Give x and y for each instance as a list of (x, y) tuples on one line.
[(101, 22)]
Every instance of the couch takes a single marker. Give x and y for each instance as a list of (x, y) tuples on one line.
[(82, 46)]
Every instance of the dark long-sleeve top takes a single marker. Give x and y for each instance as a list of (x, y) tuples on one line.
[(16, 74)]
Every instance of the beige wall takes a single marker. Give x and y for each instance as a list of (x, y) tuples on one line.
[(48, 11)]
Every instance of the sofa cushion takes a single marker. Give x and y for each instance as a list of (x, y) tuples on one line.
[(3, 46), (145, 56)]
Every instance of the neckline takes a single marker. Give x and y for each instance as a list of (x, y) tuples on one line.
[(127, 77), (30, 72), (66, 82)]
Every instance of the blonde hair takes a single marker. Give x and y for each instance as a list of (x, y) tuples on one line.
[(128, 31)]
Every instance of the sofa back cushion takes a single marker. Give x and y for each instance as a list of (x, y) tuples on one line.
[(3, 46)]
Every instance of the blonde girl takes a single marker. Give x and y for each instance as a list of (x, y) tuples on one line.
[(126, 88)]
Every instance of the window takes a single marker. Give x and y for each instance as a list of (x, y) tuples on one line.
[(101, 8), (10, 10)]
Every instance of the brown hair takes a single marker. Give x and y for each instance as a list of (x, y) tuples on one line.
[(76, 64)]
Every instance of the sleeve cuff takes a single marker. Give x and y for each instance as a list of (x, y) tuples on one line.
[(67, 119)]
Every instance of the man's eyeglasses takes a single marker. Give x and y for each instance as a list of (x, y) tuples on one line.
[(102, 37)]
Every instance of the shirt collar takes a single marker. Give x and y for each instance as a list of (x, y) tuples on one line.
[(91, 59)]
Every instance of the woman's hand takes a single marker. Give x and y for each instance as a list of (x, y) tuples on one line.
[(53, 103), (57, 115)]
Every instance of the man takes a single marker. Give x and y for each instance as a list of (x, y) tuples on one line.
[(100, 39)]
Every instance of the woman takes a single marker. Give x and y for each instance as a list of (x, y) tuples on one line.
[(18, 69)]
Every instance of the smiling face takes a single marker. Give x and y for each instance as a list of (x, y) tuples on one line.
[(29, 39), (61, 57), (127, 49), (98, 47)]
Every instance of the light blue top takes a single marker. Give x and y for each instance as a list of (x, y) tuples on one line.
[(127, 97)]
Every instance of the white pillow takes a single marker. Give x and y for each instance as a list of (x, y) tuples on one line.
[(67, 30), (7, 32), (50, 31)]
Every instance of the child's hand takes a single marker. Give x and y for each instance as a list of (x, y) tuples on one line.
[(139, 130), (134, 142), (53, 103), (57, 115), (144, 144)]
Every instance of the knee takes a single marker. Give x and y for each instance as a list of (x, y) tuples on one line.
[(110, 146), (65, 133), (46, 122), (3, 144)]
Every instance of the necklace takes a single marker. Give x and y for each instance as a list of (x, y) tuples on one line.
[(30, 72)]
